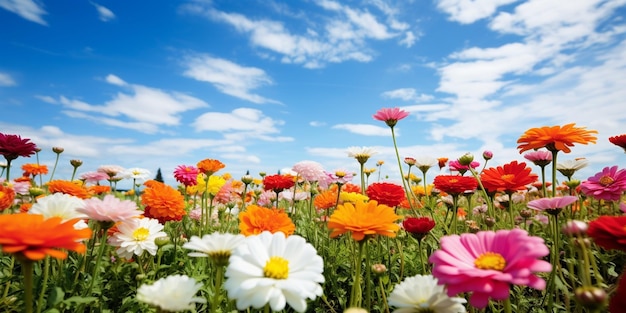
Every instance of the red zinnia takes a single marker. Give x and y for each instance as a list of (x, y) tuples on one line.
[(278, 182), (455, 184), (619, 141), (385, 193), (508, 178), (13, 146), (418, 227), (608, 232)]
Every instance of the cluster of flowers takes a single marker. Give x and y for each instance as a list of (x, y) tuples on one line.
[(247, 228)]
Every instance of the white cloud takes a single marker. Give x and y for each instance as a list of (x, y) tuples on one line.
[(228, 77), (406, 94), (408, 40), (364, 129), (27, 9), (114, 80), (6, 80), (104, 13), (241, 124), (47, 99), (470, 11), (317, 123)]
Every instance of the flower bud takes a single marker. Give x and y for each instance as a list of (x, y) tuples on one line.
[(410, 161), (526, 213), (379, 269), (162, 241), (575, 228), (247, 179), (487, 155), (490, 221), (572, 184), (57, 150), (466, 159), (76, 163), (592, 298)]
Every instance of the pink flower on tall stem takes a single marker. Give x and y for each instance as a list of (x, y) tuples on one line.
[(186, 175), (455, 165), (609, 184), (487, 263), (390, 116), (540, 158), (553, 205), (110, 209)]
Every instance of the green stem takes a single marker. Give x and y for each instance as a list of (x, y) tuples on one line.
[(554, 154), (44, 283), (395, 146), (54, 168), (8, 177), (27, 266), (419, 250), (486, 197), (507, 305), (362, 178), (8, 284), (96, 269), (382, 293), (355, 294), (219, 276)]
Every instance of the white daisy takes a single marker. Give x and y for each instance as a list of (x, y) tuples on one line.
[(137, 235), (61, 205), (172, 294), (271, 269), (361, 154), (135, 173), (569, 167), (424, 163), (217, 246), (422, 294)]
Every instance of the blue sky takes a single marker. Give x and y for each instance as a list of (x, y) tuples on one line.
[(261, 85)]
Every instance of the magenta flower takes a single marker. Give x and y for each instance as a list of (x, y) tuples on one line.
[(14, 146), (391, 116), (551, 206), (487, 263), (455, 165), (540, 157), (186, 175), (609, 184), (110, 209)]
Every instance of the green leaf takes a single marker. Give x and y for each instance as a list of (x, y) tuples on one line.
[(56, 296)]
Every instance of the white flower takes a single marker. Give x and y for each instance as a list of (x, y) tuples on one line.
[(361, 154), (61, 205), (137, 235), (424, 163), (173, 293), (271, 269), (217, 246), (575, 164), (422, 293), (138, 174)]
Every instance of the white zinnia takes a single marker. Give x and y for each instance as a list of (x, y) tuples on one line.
[(418, 293), (271, 269), (217, 246), (137, 235), (61, 205), (172, 294), (135, 173)]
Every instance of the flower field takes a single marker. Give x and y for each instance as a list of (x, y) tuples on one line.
[(521, 237)]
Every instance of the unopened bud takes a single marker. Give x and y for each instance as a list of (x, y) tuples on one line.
[(379, 269), (490, 221), (162, 241), (575, 228), (466, 159), (76, 163), (526, 213), (57, 150), (487, 155), (592, 298)]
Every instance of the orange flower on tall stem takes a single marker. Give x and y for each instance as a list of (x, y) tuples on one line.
[(555, 138), (68, 187), (34, 169), (32, 237), (362, 219), (210, 166), (255, 220)]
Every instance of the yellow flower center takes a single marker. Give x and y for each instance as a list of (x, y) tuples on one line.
[(277, 268), (508, 177), (340, 174), (141, 234), (606, 180), (220, 257), (490, 261)]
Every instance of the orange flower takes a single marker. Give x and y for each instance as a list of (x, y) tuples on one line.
[(362, 219), (555, 138), (34, 169), (25, 207), (98, 189), (325, 200), (7, 196), (210, 166), (163, 202), (255, 220), (508, 178), (33, 237), (68, 187)]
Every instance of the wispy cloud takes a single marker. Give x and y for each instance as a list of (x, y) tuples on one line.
[(241, 124), (6, 80), (228, 77), (27, 9), (364, 129), (104, 14), (406, 94), (470, 11)]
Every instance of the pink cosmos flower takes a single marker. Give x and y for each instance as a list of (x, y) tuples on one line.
[(551, 205), (110, 209), (455, 165), (487, 263), (390, 116), (186, 175), (340, 176), (540, 157), (609, 184), (94, 177), (309, 170)]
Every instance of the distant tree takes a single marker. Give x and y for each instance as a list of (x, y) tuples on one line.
[(159, 176)]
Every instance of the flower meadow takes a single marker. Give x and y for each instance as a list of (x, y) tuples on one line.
[(521, 237)]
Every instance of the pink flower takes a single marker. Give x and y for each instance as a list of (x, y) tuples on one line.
[(487, 263), (227, 193), (309, 170), (340, 176), (551, 205), (455, 165), (539, 157), (109, 209), (391, 116), (609, 184), (94, 177), (186, 174)]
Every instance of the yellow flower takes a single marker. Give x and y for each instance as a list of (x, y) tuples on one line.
[(352, 197)]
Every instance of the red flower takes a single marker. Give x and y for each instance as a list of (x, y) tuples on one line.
[(278, 182), (455, 184), (418, 227), (608, 232), (619, 141), (618, 299), (385, 193), (508, 178), (13, 146)]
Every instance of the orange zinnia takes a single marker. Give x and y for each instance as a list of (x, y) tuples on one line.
[(210, 166), (33, 237), (325, 200), (99, 189), (255, 220), (162, 202), (362, 219), (68, 187), (508, 178), (7, 196), (34, 169), (555, 138)]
